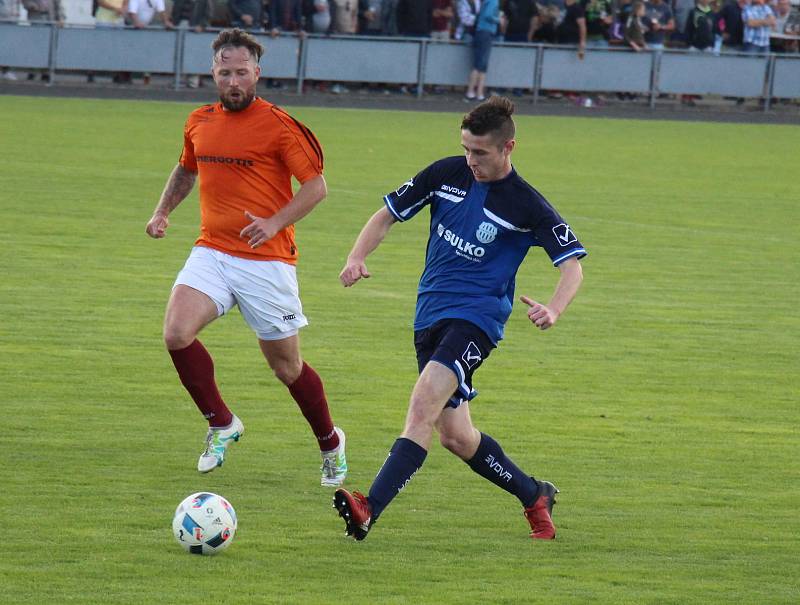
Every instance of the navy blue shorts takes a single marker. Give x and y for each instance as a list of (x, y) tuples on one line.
[(481, 48), (456, 344)]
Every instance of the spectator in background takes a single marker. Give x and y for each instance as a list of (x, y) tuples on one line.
[(485, 30), (699, 30), (551, 13), (9, 11), (284, 15), (110, 13), (191, 13), (389, 18), (245, 14), (523, 20), (415, 18), (467, 15), (442, 19), (573, 28), (635, 27), (370, 22), (758, 22), (44, 11), (141, 13), (660, 24), (344, 17), (317, 15), (787, 21), (730, 24), (599, 19), (681, 9)]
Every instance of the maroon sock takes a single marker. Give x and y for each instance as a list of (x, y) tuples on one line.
[(196, 371), (309, 394)]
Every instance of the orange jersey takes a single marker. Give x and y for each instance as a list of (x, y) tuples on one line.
[(246, 160)]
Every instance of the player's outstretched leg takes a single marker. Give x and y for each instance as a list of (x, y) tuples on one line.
[(356, 512), (334, 463), (539, 515), (217, 441)]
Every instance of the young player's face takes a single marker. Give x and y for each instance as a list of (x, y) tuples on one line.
[(488, 158), (236, 74)]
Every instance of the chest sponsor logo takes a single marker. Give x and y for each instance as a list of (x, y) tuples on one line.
[(564, 234), (221, 159), (486, 233), (471, 355), (463, 248), (453, 190)]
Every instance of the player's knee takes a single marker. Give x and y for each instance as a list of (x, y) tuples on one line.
[(176, 337), (456, 443), (287, 371)]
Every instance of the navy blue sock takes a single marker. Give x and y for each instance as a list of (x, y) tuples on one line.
[(491, 463), (404, 460)]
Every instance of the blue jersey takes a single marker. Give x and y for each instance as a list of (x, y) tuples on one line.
[(479, 235)]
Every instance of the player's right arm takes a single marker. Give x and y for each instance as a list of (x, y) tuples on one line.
[(370, 238), (179, 185)]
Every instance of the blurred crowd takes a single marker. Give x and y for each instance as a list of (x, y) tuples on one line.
[(700, 24), (753, 26)]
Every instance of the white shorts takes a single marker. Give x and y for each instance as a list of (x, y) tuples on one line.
[(266, 291)]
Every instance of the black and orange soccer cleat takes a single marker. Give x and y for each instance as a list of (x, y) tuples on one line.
[(539, 515), (355, 510)]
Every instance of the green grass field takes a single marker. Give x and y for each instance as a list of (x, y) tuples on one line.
[(664, 404)]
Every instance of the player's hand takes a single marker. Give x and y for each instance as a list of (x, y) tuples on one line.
[(352, 272), (541, 316), (260, 230), (157, 226)]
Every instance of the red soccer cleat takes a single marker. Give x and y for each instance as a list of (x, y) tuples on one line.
[(355, 511), (539, 515)]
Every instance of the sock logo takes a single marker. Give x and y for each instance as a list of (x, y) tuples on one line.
[(407, 481), (498, 468)]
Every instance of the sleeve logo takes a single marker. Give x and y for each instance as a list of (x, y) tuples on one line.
[(404, 187), (564, 234)]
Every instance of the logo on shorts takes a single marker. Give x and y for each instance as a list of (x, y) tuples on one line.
[(472, 355), (486, 233), (289, 317)]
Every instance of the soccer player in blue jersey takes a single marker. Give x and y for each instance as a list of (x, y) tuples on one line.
[(484, 219)]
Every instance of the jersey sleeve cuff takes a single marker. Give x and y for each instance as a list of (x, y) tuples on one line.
[(578, 252), (388, 203)]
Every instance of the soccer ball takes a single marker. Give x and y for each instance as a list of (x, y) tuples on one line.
[(204, 523)]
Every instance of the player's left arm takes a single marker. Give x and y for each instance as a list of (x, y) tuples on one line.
[(261, 229), (544, 316)]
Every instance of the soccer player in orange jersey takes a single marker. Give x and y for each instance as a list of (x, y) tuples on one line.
[(245, 151)]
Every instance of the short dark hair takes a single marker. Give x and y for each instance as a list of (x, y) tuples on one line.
[(490, 117), (237, 38)]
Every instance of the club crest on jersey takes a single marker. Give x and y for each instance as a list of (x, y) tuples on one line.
[(564, 234), (486, 233)]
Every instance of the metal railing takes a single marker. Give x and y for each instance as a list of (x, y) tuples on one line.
[(415, 62)]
